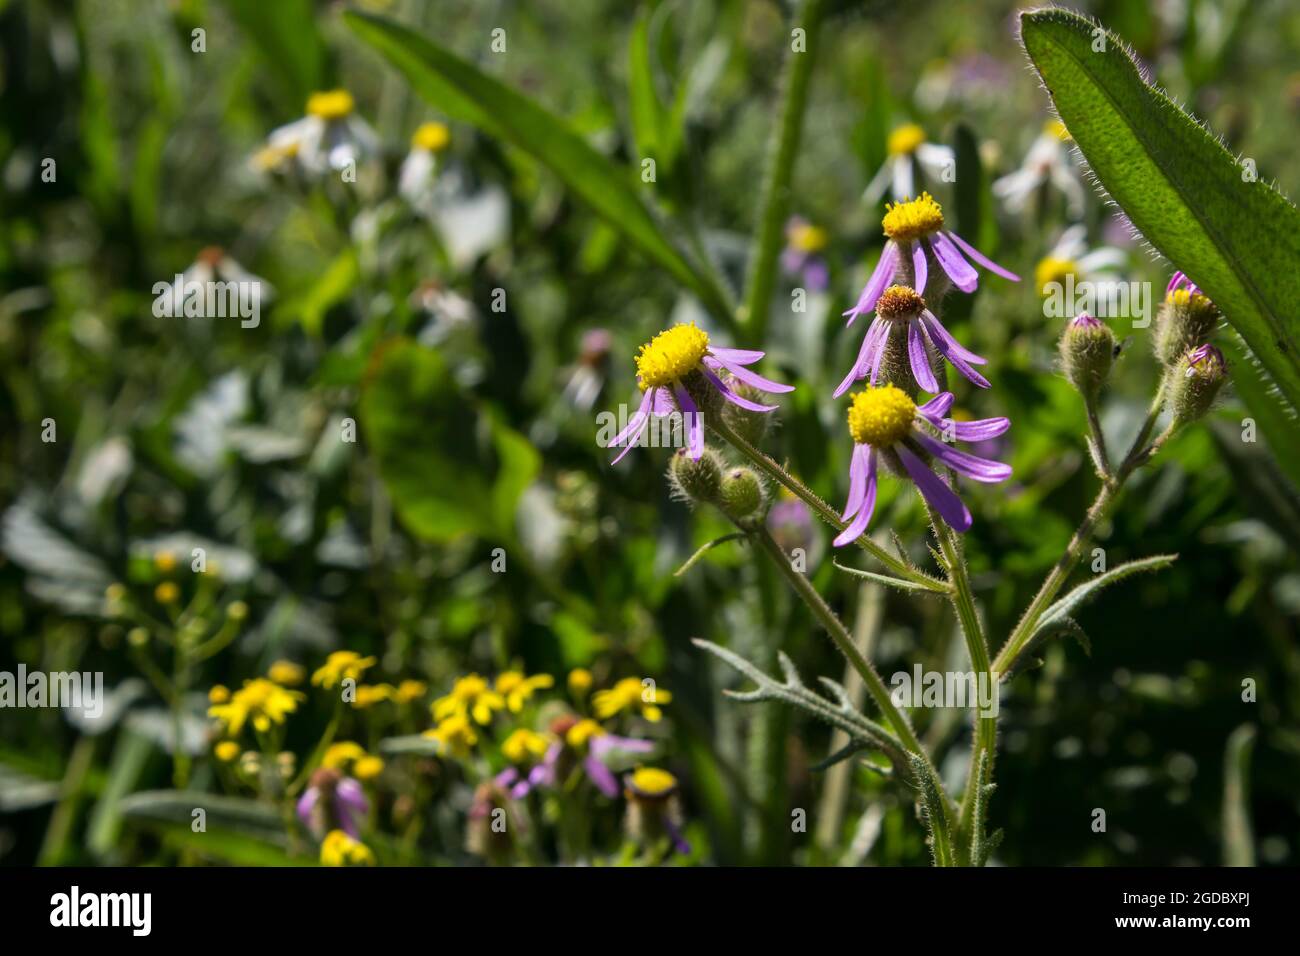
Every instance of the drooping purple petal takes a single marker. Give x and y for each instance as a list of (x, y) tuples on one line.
[(506, 778), (945, 349), (543, 775), (634, 425), (961, 272), (972, 466), (982, 259), (349, 794), (679, 841), (748, 376), (879, 280), (307, 803), (731, 396), (920, 360), (857, 481), (731, 356), (521, 789), (919, 268), (936, 491), (600, 775), (694, 421), (937, 328), (866, 355), (980, 430), (859, 524)]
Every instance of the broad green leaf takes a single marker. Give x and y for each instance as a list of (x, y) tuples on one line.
[(1233, 234), (647, 114), (466, 93), (451, 468)]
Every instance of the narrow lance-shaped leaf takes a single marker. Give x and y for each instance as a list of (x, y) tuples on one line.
[(1233, 234), (466, 93)]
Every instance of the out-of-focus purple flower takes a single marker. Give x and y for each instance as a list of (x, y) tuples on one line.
[(802, 257), (791, 524), (332, 802), (915, 228), (586, 743), (885, 422)]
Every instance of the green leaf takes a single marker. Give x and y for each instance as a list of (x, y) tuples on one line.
[(1238, 843), (291, 46), (647, 114), (450, 467), (234, 814), (1238, 240), (903, 585), (1064, 607), (466, 93)]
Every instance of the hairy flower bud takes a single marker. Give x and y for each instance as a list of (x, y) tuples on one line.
[(1195, 382), (742, 495), (1184, 321), (696, 479), (1087, 351)]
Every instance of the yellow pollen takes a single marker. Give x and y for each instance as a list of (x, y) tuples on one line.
[(1056, 128), (331, 105), (904, 140), (899, 302), (432, 137), (670, 355), (881, 417), (1189, 300), (910, 220), (1053, 269)]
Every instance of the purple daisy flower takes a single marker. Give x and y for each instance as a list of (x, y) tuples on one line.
[(899, 307), (1178, 281), (1205, 360), (333, 801), (671, 357), (913, 228), (885, 422), (802, 257)]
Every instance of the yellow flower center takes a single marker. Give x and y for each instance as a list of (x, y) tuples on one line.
[(670, 355), (653, 782), (904, 140), (910, 220), (881, 417), (1056, 128), (581, 733), (899, 302), (1189, 300), (433, 137), (1052, 270), (808, 238), (331, 105)]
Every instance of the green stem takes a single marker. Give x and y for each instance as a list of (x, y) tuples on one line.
[(776, 185), (769, 466), (1139, 453)]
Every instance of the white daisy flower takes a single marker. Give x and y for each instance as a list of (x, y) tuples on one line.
[(214, 264), (416, 177), (330, 137), (1047, 162), (907, 146), (1072, 257)]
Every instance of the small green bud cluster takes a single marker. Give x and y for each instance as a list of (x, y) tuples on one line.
[(737, 491), (1194, 369), (1087, 353), (1195, 381), (1185, 320)]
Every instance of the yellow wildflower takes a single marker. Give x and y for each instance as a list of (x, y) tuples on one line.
[(517, 689), (409, 691), (259, 701), (524, 744), (167, 593), (339, 849), (370, 694), (630, 694), (340, 666), (226, 751), (469, 695), (579, 681), (368, 767), (287, 673), (219, 694), (456, 735), (341, 755)]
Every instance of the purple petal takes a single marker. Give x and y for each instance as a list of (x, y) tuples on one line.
[(605, 744), (961, 272), (936, 492), (857, 480), (601, 776), (750, 377), (350, 795), (635, 424), (520, 790), (935, 327), (679, 841), (694, 421), (506, 778), (307, 803), (979, 430), (972, 466), (543, 775), (879, 280), (959, 363), (982, 259), (920, 268), (920, 361), (859, 524), (936, 407), (866, 354), (735, 356), (731, 396)]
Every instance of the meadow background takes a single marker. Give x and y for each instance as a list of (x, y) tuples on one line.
[(177, 431)]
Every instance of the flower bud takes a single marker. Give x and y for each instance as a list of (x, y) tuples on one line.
[(1087, 351), (1184, 321), (741, 494), (697, 479), (895, 363), (1195, 382), (749, 425)]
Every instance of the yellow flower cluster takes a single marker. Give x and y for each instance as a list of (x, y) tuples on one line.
[(630, 694), (339, 849), (260, 702)]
